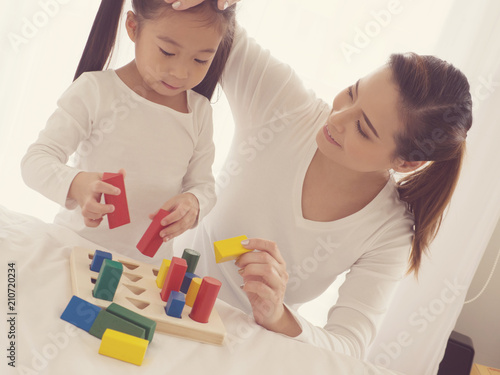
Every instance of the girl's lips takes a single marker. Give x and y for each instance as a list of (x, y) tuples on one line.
[(329, 137), (170, 87)]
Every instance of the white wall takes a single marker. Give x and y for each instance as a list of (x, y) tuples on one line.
[(480, 320)]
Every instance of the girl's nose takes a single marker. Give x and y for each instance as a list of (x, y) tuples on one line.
[(178, 70)]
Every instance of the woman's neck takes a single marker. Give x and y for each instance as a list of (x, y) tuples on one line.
[(347, 179)]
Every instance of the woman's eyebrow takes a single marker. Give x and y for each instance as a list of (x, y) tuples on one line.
[(364, 115)]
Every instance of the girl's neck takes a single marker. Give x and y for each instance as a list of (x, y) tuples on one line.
[(131, 77)]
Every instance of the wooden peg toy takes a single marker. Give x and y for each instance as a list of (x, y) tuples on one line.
[(229, 249), (124, 347), (80, 313), (160, 279), (174, 278), (98, 258), (192, 257), (108, 279), (151, 240), (120, 216), (205, 300)]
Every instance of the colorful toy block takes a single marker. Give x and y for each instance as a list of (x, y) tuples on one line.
[(80, 313), (124, 347), (192, 257), (98, 258), (188, 277), (147, 324), (160, 279), (120, 216), (108, 279), (151, 240), (205, 300), (192, 292), (229, 249), (107, 320), (174, 278), (175, 304)]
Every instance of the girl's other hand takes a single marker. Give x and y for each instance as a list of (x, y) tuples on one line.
[(86, 189), (186, 4), (264, 281), (184, 209)]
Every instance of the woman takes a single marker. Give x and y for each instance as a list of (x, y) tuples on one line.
[(318, 181)]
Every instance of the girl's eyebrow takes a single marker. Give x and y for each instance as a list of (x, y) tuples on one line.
[(364, 115), (175, 43)]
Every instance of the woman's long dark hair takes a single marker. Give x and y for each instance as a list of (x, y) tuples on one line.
[(102, 37), (436, 108)]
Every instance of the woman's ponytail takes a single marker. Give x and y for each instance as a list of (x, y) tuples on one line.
[(436, 108), (427, 193), (102, 37)]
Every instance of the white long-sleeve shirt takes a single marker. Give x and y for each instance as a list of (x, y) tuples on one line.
[(103, 125), (259, 193)]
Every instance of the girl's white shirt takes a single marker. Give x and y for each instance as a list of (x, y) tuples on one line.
[(101, 125)]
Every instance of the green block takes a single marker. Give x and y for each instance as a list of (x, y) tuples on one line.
[(107, 320), (132, 317), (108, 279), (192, 257)]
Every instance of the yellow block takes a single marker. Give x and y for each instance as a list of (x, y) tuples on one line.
[(229, 249), (124, 347), (162, 274), (193, 289)]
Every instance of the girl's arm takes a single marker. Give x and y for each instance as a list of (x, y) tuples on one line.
[(44, 166)]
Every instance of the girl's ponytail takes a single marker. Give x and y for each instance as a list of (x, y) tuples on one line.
[(427, 193), (436, 109), (102, 37)]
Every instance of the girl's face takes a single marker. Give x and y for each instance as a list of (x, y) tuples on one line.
[(359, 133), (172, 52)]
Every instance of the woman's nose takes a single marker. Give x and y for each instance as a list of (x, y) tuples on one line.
[(337, 120), (178, 70)]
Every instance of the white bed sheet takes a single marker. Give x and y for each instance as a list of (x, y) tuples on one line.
[(45, 344)]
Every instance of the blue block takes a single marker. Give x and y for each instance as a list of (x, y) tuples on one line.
[(175, 304), (80, 313), (98, 258), (188, 277)]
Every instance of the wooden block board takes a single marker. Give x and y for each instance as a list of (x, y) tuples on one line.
[(137, 291)]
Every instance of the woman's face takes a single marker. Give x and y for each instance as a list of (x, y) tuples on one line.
[(359, 133)]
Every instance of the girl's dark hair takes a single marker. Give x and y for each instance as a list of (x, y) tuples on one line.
[(100, 43), (436, 109)]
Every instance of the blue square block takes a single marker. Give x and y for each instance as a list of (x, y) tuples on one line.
[(175, 304), (80, 313), (98, 258), (188, 277)]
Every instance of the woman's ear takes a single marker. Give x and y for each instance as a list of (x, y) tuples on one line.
[(132, 25), (404, 166)]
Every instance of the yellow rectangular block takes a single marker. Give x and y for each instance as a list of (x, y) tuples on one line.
[(124, 347), (160, 279), (193, 289), (229, 249)]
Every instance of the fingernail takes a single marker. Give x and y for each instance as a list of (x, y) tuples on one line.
[(176, 5), (117, 191), (241, 270), (242, 286), (245, 242), (166, 239), (226, 4)]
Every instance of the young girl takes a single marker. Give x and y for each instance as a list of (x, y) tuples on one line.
[(322, 187), (150, 118)]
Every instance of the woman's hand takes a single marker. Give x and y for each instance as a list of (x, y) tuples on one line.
[(184, 209), (264, 281), (86, 189), (185, 4)]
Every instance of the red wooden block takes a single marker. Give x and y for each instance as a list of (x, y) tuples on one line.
[(174, 278), (120, 216), (205, 300), (151, 240)]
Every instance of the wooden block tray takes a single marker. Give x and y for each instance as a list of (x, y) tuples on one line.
[(138, 292)]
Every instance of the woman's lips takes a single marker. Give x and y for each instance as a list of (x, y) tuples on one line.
[(329, 137)]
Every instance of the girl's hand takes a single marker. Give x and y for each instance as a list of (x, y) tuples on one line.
[(86, 189), (264, 281), (184, 209), (185, 4)]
